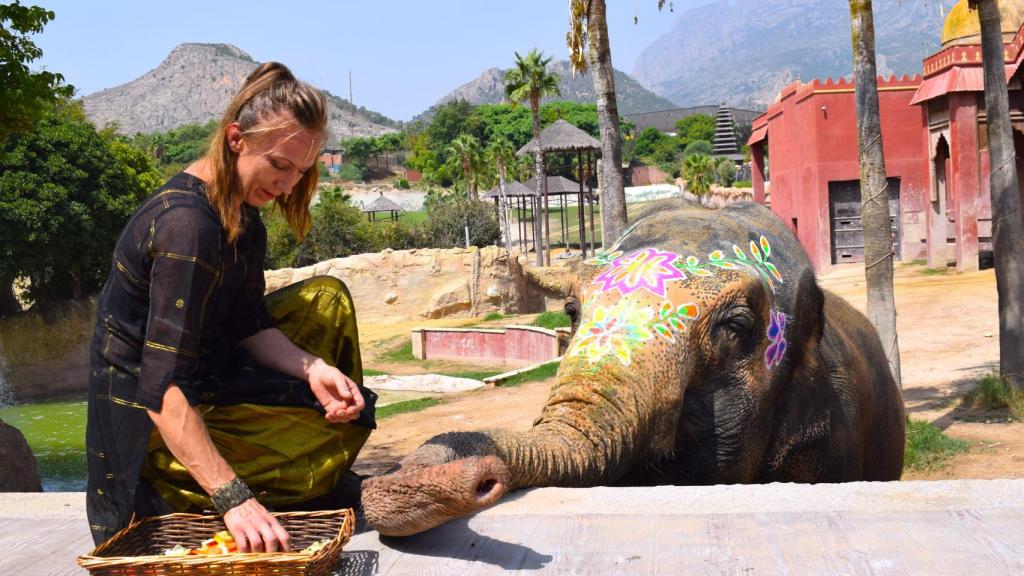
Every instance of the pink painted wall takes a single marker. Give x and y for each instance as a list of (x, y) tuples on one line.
[(812, 140), (513, 345)]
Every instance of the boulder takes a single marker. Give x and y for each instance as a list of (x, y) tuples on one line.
[(18, 472)]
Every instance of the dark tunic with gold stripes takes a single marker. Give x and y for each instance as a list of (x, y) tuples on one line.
[(177, 300)]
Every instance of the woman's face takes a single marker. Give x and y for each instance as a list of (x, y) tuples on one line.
[(271, 163)]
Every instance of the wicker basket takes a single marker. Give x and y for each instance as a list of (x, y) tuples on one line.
[(138, 549)]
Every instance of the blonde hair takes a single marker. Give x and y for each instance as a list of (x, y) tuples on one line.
[(269, 90)]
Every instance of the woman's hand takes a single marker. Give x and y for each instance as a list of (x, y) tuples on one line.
[(337, 393), (256, 530)]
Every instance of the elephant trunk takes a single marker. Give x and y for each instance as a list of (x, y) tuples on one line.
[(593, 429)]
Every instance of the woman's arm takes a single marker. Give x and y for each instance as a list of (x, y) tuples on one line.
[(183, 430), (338, 394)]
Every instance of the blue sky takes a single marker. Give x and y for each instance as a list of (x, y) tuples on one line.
[(404, 54)]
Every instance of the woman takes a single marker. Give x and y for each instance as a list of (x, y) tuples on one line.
[(201, 391)]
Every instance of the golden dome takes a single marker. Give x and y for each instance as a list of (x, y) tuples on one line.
[(962, 26)]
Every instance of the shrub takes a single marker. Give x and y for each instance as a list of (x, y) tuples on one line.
[(449, 215), (725, 172), (995, 393), (491, 316), (402, 184), (337, 231), (743, 184), (352, 172)]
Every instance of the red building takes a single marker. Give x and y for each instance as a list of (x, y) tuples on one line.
[(936, 153)]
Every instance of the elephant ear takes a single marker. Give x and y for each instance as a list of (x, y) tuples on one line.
[(808, 313)]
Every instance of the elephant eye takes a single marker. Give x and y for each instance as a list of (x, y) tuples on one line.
[(738, 323)]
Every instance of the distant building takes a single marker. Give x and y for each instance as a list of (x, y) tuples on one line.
[(665, 120), (936, 152)]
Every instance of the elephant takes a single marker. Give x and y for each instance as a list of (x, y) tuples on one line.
[(704, 352)]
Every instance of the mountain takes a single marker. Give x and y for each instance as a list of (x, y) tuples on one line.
[(194, 85), (489, 88), (743, 52)]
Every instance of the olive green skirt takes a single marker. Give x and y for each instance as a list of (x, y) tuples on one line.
[(286, 454)]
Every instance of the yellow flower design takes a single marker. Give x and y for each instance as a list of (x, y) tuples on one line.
[(180, 304), (613, 332)]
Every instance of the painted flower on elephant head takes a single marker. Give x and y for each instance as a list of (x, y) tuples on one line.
[(777, 337), (648, 269), (613, 332)]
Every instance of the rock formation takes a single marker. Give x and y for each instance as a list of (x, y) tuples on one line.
[(18, 471)]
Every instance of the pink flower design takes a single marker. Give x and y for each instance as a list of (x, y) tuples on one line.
[(648, 269)]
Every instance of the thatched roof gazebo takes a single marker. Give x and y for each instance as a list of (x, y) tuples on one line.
[(381, 205), (562, 136), (517, 196)]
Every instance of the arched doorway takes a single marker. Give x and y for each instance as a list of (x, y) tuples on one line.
[(940, 226)]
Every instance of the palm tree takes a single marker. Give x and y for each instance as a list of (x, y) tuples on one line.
[(503, 154), (530, 81), (878, 253), (588, 24), (698, 170), (1007, 225), (466, 148)]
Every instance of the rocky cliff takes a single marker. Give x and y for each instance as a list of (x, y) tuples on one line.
[(631, 97), (742, 52), (193, 85), (404, 285)]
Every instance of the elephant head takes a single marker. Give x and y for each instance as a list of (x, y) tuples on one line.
[(689, 331)]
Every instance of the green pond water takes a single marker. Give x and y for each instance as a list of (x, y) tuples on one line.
[(55, 430)]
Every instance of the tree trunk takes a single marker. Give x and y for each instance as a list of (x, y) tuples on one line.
[(542, 181), (1007, 224), (878, 253), (503, 217), (613, 194)]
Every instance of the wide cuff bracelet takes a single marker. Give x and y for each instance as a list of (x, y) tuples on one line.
[(229, 495)]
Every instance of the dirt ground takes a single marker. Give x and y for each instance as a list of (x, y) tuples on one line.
[(949, 336)]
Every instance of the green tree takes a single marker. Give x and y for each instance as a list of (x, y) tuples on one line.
[(66, 192), (702, 147), (588, 26), (1007, 231), (337, 230), (449, 217), (530, 81), (648, 139), (725, 172), (466, 149), (695, 127), (698, 171), (359, 150), (874, 193), (23, 93)]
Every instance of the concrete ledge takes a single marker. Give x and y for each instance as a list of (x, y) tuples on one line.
[(497, 379), (947, 527)]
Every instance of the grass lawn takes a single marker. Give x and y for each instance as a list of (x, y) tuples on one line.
[(928, 448)]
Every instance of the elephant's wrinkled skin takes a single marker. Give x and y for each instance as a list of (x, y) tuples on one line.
[(705, 353)]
